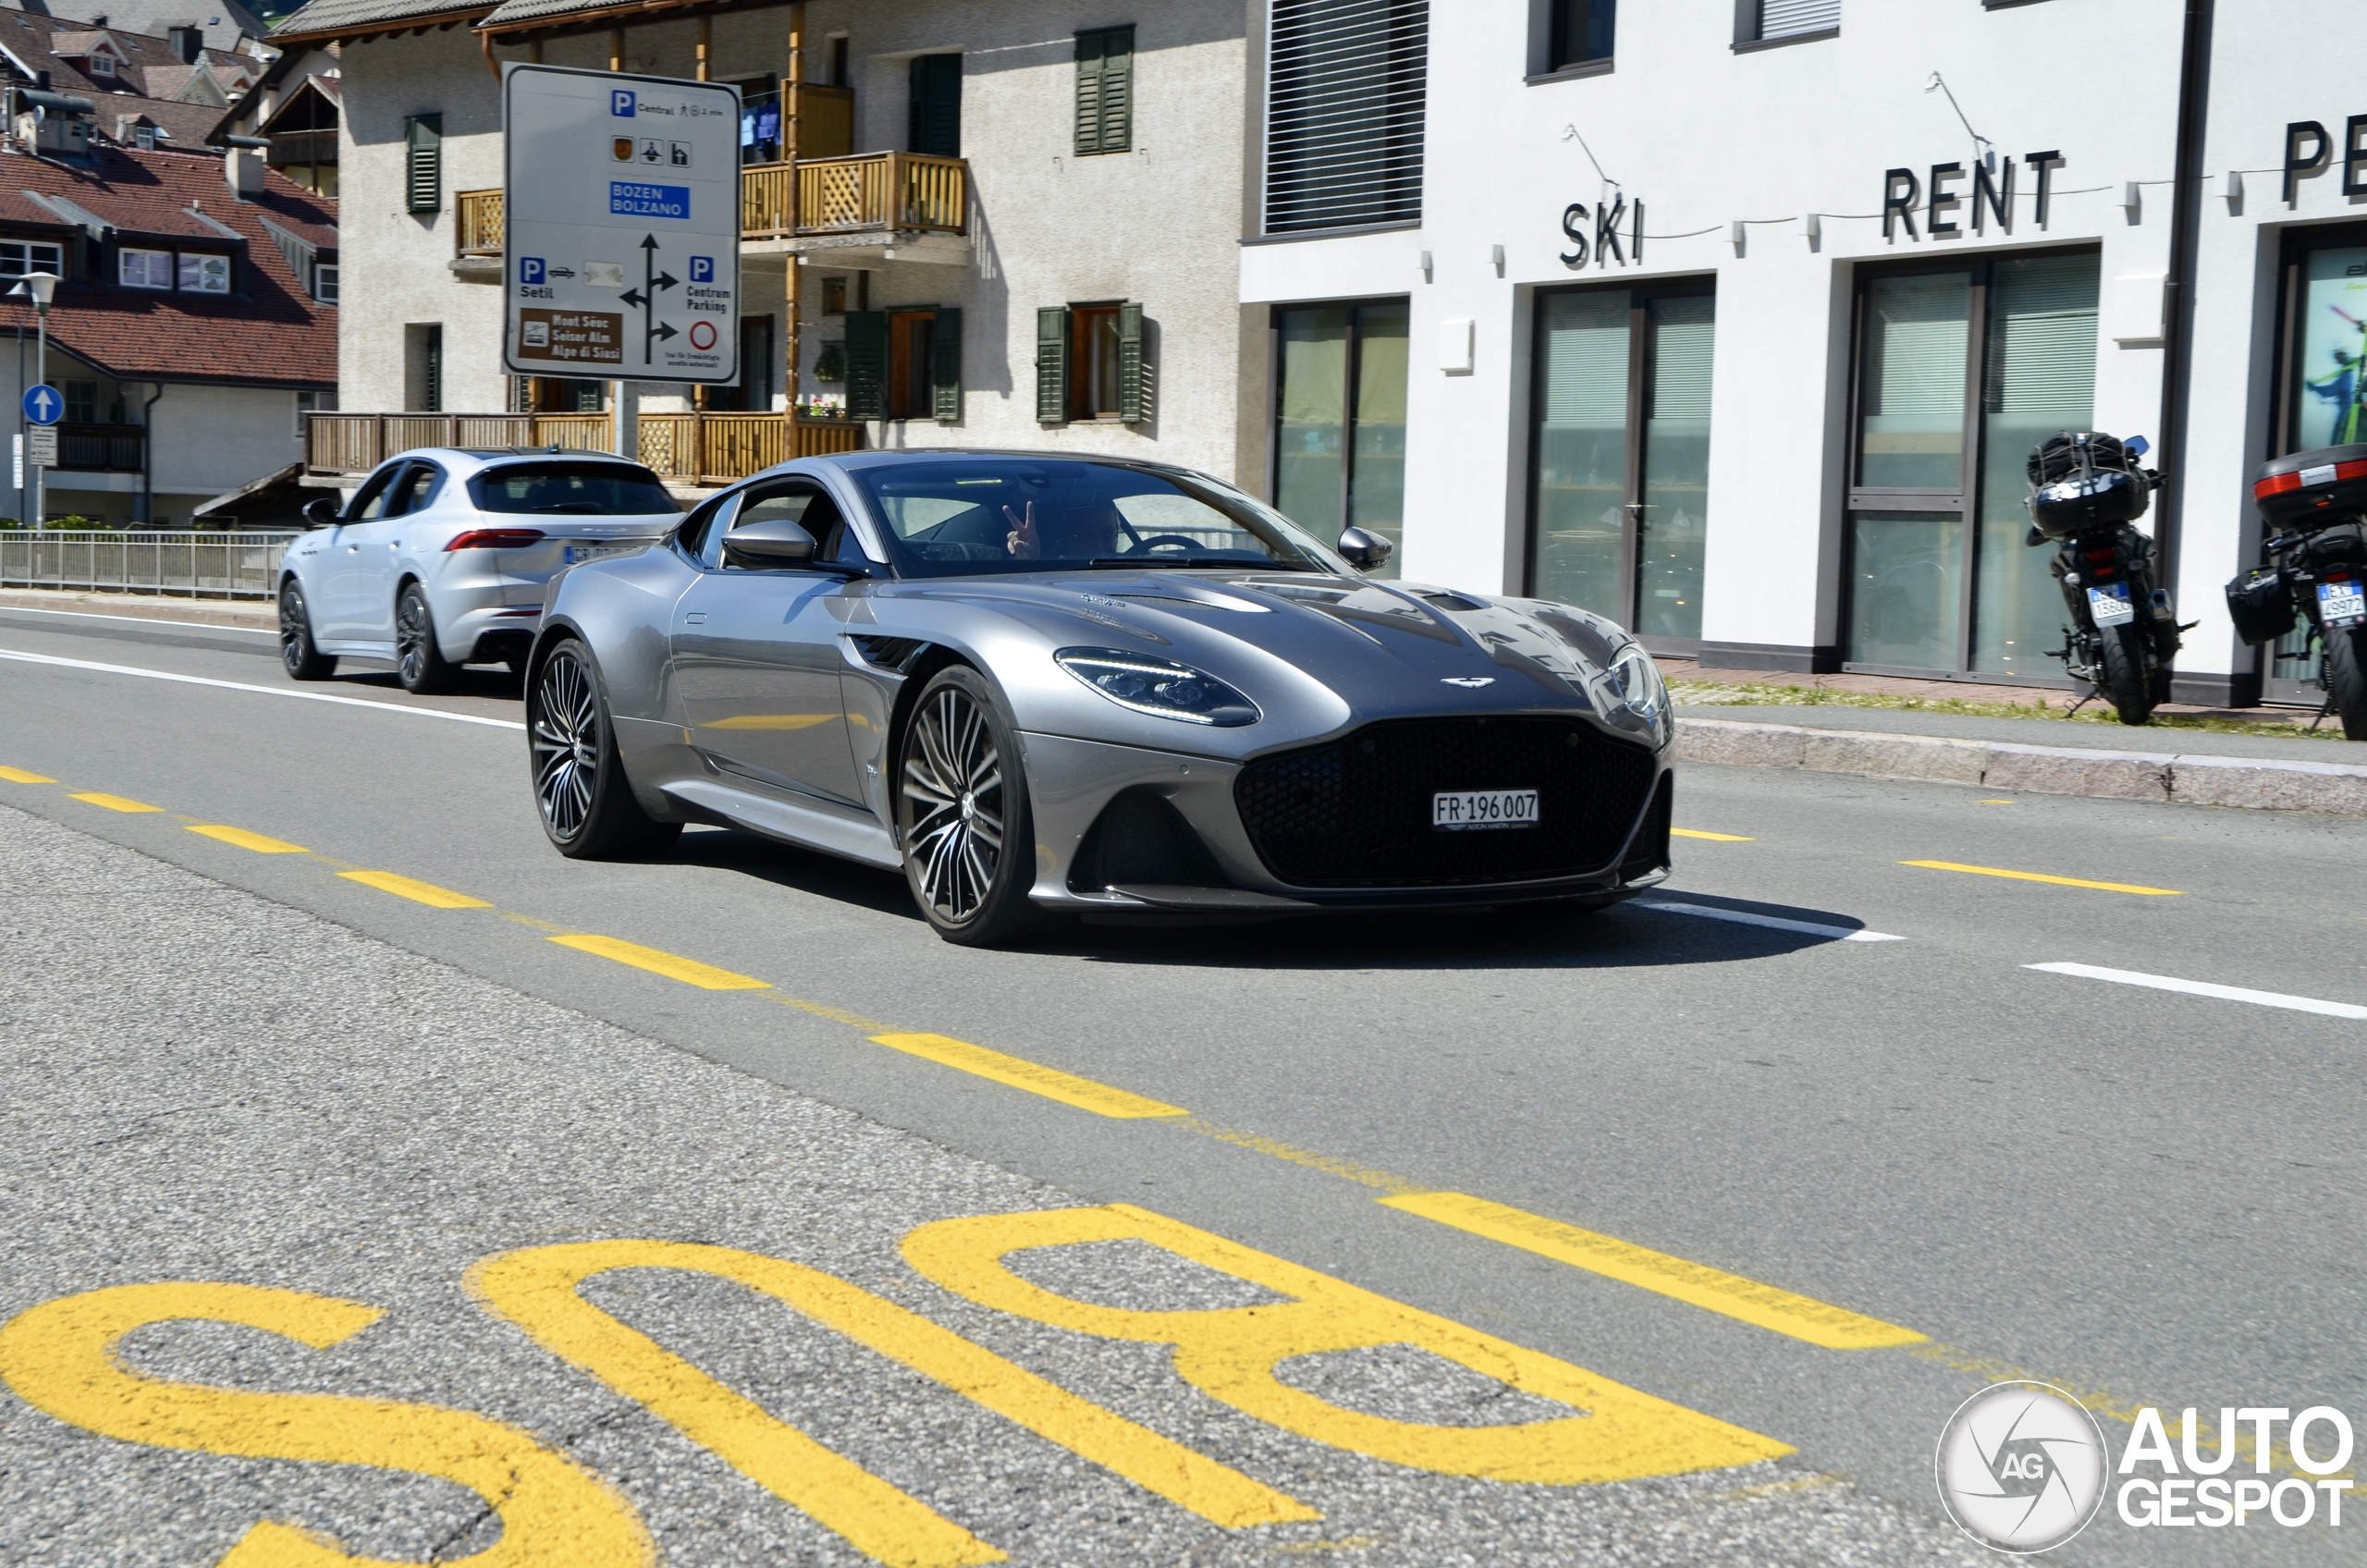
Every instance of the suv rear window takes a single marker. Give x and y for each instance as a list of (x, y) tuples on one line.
[(580, 488)]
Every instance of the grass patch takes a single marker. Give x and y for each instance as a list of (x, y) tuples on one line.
[(1722, 694)]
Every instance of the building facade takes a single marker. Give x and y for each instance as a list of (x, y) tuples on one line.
[(1737, 322)]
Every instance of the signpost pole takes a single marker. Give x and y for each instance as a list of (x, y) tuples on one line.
[(792, 286), (42, 285)]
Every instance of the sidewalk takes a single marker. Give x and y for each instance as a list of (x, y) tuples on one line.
[(144, 606)]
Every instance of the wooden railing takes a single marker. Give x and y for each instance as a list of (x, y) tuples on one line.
[(477, 229), (342, 443), (101, 448), (876, 191), (718, 448)]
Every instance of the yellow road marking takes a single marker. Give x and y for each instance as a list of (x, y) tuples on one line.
[(1613, 1432), (426, 893), (247, 841), (2041, 876), (115, 802), (1818, 1323), (688, 970), (1715, 837), (1048, 1081), (19, 776), (1996, 802)]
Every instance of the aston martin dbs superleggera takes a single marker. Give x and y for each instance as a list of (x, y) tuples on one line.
[(1040, 683)]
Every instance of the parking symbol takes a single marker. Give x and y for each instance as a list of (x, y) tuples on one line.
[(531, 271), (620, 103), (702, 269)]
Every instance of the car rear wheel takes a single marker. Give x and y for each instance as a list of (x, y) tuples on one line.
[(298, 651), (419, 663), (962, 813), (585, 802)]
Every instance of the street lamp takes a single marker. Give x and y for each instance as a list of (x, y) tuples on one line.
[(42, 285)]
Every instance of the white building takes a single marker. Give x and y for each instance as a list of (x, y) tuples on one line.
[(1884, 250)]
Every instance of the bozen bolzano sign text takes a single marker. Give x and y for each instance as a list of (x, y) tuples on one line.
[(1994, 196), (1602, 244)]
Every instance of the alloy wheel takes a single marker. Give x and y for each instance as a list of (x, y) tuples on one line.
[(294, 633), (412, 630), (564, 732), (952, 788)]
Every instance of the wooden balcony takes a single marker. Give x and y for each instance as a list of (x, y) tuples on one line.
[(719, 447), (342, 443), (872, 194), (101, 448), (476, 227)]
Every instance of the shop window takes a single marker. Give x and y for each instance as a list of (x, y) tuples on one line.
[(935, 109), (18, 257), (1582, 31), (1773, 21), (1343, 113), (1340, 420), (1620, 455), (1960, 372), (203, 272), (905, 364), (1090, 365), (144, 269), (1105, 91), (2321, 394), (424, 163)]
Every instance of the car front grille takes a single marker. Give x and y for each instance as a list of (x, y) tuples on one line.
[(1356, 812)]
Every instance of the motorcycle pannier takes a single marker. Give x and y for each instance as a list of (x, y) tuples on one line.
[(2313, 488), (2083, 480), (2262, 605)]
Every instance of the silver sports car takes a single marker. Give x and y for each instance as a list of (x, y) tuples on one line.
[(1040, 683)]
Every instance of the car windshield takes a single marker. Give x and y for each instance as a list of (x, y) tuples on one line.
[(586, 489), (955, 517)]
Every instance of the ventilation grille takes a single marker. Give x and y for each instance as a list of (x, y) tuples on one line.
[(1343, 119)]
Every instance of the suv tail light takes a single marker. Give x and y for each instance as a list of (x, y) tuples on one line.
[(495, 539)]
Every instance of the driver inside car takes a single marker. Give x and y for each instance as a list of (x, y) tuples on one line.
[(1083, 533)]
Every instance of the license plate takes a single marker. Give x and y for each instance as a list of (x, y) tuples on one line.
[(1459, 811), (2110, 604), (593, 551), (2342, 601)]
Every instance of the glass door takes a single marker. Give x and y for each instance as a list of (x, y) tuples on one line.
[(2322, 399), (1620, 457), (1340, 420)]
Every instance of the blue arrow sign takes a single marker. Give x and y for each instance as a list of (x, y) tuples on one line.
[(43, 404)]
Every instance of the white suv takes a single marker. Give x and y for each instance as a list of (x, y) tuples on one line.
[(443, 555)]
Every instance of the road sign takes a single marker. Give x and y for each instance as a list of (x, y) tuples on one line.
[(41, 445), (621, 207), (43, 403)]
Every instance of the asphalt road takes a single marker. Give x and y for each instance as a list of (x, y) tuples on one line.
[(1795, 1196)]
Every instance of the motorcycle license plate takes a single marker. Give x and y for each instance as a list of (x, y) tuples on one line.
[(2342, 601), (2110, 604), (1462, 811)]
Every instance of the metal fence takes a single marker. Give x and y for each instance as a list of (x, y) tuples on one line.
[(204, 566)]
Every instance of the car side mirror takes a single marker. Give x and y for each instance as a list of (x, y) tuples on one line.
[(1365, 549), (774, 542), (322, 511)]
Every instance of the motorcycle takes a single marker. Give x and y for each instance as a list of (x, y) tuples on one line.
[(2316, 572), (2086, 491)]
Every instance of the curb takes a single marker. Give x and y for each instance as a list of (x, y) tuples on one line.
[(2242, 782), (145, 606)]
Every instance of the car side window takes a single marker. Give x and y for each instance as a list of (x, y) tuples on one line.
[(804, 502), (699, 530), (371, 504), (415, 489)]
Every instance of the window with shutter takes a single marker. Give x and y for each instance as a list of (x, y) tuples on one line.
[(1343, 113), (945, 371), (1789, 18), (936, 106), (424, 163), (1105, 109), (1052, 365), (1131, 400), (867, 364)]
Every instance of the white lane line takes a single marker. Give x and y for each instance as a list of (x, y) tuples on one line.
[(260, 690), (1774, 923), (2204, 988), (143, 620)]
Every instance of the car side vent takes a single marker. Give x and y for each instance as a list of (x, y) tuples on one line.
[(1141, 838), (1648, 852), (895, 653), (1454, 602)]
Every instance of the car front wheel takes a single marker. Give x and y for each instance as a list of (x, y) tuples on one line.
[(580, 785), (962, 813)]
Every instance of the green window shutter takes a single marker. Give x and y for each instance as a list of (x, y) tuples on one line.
[(424, 163), (945, 371), (1130, 363), (935, 124), (1052, 365), (867, 364), (1105, 63)]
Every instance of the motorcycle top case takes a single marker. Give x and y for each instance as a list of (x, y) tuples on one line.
[(2262, 605), (2314, 488)]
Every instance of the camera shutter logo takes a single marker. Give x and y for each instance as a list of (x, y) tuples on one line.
[(2022, 1467)]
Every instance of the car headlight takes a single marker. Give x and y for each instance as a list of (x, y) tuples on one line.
[(1638, 681), (1159, 687)]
